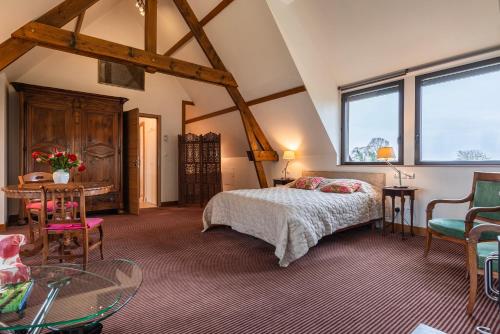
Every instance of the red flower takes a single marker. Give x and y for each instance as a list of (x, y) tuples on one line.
[(72, 157), (81, 168), (35, 154), (59, 154)]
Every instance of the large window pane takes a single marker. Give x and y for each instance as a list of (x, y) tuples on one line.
[(459, 115), (372, 118)]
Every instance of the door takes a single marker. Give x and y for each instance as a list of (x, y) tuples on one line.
[(132, 160), (101, 151)]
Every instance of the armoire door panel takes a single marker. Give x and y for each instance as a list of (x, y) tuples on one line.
[(101, 144), (49, 128)]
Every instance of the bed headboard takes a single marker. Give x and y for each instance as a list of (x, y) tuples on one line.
[(376, 179)]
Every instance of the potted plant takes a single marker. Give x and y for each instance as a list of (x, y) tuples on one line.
[(60, 162)]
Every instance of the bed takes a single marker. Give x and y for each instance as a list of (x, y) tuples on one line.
[(294, 220)]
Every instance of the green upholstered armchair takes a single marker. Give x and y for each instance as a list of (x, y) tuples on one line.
[(484, 206), (477, 253)]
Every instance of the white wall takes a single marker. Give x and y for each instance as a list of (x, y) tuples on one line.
[(3, 145)]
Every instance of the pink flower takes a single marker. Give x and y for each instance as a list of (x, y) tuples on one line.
[(35, 154), (81, 168), (38, 160)]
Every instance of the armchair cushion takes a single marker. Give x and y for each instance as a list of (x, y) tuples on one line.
[(486, 195), (484, 249), (455, 228)]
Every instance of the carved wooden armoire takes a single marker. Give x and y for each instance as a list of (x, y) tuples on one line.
[(199, 168), (89, 125)]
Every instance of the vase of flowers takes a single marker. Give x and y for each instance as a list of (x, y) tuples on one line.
[(61, 163)]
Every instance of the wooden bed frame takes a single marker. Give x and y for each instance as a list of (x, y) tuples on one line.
[(376, 179)]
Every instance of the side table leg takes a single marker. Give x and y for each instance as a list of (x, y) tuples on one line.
[(383, 214), (412, 202), (403, 216), (392, 221)]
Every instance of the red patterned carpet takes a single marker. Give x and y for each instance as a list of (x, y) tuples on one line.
[(225, 282)]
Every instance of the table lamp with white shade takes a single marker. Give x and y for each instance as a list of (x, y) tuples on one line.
[(386, 153), (288, 156)]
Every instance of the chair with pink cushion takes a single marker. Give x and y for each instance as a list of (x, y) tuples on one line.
[(33, 207), (67, 224), (12, 270)]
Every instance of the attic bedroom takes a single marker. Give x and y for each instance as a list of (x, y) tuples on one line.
[(249, 166)]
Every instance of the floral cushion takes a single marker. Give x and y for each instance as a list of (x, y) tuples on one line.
[(11, 268), (308, 182), (342, 187)]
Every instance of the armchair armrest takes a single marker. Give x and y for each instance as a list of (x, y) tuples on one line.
[(476, 232), (432, 204), (473, 212)]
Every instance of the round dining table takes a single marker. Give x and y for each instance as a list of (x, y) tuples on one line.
[(34, 191)]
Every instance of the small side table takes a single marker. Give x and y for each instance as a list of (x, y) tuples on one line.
[(394, 192), (281, 182)]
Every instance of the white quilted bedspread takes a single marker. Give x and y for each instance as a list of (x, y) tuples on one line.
[(292, 220)]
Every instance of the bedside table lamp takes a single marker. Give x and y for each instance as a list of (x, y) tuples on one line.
[(288, 156), (386, 153)]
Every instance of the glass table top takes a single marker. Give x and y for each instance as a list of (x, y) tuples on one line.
[(59, 296)]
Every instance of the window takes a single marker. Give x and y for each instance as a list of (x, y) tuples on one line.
[(458, 115), (371, 118)]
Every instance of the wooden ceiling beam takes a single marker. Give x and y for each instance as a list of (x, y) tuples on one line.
[(79, 23), (263, 99), (256, 138), (67, 41), (12, 49), (213, 13), (150, 20)]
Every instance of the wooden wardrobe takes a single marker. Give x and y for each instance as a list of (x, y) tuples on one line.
[(89, 125)]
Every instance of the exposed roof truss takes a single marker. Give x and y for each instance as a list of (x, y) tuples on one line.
[(46, 31)]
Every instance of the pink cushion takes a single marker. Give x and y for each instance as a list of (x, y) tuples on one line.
[(91, 223), (342, 187), (50, 205), (11, 268), (10, 246), (14, 273), (308, 182)]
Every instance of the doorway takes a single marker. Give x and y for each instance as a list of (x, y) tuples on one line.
[(149, 161)]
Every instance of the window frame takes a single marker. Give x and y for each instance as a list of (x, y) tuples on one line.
[(345, 123), (418, 114)]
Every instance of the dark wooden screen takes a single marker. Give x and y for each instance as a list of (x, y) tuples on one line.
[(199, 168)]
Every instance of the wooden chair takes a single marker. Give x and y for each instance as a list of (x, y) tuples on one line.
[(32, 207), (484, 206), (477, 252), (68, 224)]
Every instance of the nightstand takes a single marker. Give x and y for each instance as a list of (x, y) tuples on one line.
[(402, 193), (281, 182)]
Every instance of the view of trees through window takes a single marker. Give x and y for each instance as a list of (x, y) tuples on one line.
[(372, 118), (368, 153)]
